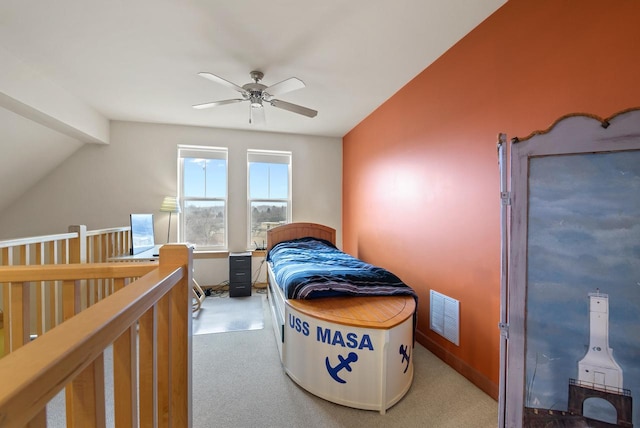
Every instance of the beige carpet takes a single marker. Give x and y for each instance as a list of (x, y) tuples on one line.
[(239, 382)]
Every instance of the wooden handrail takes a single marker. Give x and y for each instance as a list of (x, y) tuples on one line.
[(108, 230), (71, 353), (33, 273), (36, 239)]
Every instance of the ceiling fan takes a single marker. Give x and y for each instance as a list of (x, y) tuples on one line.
[(257, 93)]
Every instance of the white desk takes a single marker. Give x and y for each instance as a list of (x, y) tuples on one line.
[(146, 256), (152, 255)]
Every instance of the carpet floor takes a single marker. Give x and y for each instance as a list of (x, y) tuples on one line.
[(239, 382)]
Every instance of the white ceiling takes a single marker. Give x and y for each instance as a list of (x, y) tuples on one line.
[(137, 60)]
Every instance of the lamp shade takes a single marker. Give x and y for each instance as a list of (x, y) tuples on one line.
[(170, 204)]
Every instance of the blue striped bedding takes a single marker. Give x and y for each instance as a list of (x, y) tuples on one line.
[(309, 268)]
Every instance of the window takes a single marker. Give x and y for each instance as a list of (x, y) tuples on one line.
[(203, 196), (269, 193)]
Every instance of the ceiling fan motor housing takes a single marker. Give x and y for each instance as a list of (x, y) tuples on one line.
[(255, 91)]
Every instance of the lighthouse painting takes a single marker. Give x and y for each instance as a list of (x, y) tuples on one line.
[(582, 320), (598, 369)]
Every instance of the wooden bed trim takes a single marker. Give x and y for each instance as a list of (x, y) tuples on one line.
[(379, 312), (290, 231)]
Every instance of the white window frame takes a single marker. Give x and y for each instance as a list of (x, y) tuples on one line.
[(203, 152), (268, 156)]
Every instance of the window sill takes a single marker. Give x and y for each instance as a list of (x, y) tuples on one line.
[(217, 254), (210, 254)]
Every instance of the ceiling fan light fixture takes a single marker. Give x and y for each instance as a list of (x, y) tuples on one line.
[(256, 101)]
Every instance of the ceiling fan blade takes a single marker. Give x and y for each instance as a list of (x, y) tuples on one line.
[(256, 115), (287, 85), (217, 103), (293, 108), (222, 81)]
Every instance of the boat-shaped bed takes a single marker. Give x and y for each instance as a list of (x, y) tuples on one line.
[(351, 349)]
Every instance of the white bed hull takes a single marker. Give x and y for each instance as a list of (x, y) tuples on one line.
[(364, 368), (356, 367)]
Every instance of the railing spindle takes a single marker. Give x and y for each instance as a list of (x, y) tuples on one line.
[(148, 339), (125, 375)]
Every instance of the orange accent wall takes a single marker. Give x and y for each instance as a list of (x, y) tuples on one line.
[(421, 178)]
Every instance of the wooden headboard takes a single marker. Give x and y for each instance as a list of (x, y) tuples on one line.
[(299, 230)]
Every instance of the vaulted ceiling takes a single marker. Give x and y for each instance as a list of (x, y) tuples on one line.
[(71, 66)]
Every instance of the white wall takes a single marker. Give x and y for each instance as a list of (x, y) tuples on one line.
[(100, 185)]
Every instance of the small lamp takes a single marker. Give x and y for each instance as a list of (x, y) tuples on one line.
[(170, 204)]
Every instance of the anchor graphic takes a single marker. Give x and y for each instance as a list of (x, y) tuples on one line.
[(405, 357), (345, 363)]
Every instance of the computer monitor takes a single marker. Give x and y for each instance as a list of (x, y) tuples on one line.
[(142, 234)]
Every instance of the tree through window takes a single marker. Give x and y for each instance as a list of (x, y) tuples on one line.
[(203, 196), (269, 193)]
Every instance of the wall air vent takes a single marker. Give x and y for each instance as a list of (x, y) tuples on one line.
[(445, 316)]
